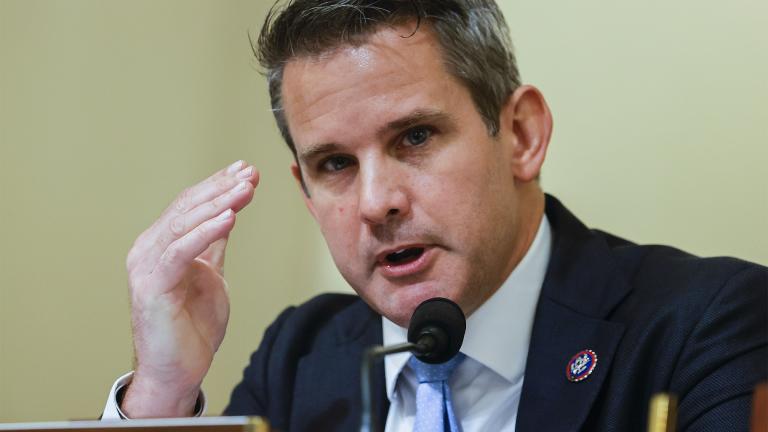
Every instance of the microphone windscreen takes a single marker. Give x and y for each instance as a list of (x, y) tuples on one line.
[(445, 315)]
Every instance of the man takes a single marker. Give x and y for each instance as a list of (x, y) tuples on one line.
[(418, 152)]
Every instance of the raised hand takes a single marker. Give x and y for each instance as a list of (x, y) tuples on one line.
[(179, 302)]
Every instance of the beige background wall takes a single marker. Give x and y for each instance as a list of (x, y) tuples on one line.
[(108, 108)]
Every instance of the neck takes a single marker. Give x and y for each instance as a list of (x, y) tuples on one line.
[(530, 210)]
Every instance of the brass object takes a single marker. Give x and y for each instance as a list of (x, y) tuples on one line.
[(662, 413), (257, 424)]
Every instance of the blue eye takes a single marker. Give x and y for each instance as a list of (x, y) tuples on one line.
[(418, 135), (335, 163)]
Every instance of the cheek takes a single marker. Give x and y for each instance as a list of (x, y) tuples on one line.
[(332, 210), (335, 225), (457, 187), (465, 198)]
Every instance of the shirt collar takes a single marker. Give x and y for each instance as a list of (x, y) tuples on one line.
[(511, 308)]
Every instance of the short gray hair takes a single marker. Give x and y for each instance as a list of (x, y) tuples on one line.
[(474, 37)]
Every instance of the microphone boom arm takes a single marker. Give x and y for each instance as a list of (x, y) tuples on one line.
[(425, 344), (370, 420)]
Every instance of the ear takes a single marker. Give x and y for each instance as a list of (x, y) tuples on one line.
[(526, 123), (296, 171)]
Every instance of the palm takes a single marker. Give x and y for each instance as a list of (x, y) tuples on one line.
[(206, 304), (198, 309)]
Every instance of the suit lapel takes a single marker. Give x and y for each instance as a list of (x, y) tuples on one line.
[(328, 380), (549, 401), (582, 286)]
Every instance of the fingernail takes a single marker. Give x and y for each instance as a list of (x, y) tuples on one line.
[(246, 173), (224, 216), (235, 167)]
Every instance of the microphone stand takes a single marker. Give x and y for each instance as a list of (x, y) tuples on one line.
[(370, 420), (435, 334)]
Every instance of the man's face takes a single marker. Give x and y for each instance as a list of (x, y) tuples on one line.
[(413, 196)]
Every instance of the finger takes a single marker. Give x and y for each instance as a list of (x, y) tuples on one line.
[(177, 258), (178, 226), (187, 197), (212, 187), (162, 232)]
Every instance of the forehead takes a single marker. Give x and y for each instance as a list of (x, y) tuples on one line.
[(395, 72)]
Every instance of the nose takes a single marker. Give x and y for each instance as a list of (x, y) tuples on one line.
[(383, 192)]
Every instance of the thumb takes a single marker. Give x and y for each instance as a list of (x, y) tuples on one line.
[(214, 255)]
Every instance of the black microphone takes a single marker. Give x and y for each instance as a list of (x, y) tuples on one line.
[(435, 335), (437, 329)]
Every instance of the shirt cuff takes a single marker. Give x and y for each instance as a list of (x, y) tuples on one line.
[(112, 409)]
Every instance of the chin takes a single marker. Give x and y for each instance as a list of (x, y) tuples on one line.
[(399, 302)]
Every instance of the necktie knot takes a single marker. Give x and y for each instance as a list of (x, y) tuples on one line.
[(426, 372), (434, 409)]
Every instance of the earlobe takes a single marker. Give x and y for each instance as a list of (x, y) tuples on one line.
[(526, 119), (297, 175)]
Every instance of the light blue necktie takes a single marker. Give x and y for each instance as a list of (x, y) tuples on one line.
[(434, 408)]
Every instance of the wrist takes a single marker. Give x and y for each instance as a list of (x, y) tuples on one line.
[(144, 398)]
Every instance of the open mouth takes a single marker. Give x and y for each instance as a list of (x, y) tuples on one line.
[(408, 261), (403, 256)]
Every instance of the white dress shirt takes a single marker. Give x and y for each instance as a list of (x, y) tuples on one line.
[(112, 409), (486, 386)]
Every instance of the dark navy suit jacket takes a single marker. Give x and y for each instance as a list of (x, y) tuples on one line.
[(658, 319)]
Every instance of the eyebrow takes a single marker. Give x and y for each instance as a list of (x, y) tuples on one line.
[(316, 151), (414, 118)]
